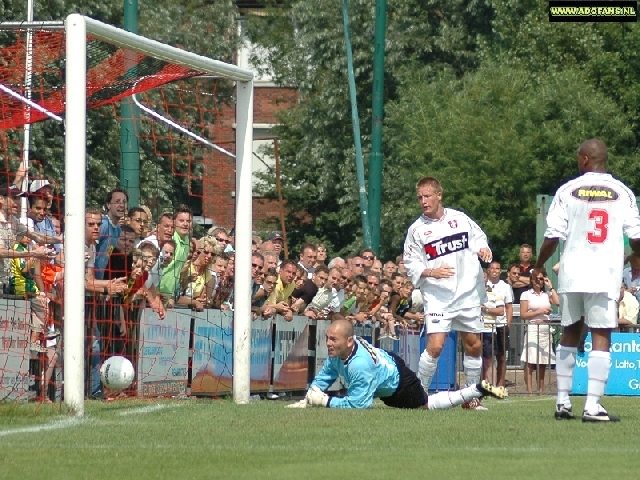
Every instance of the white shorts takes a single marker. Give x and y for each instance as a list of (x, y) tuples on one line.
[(598, 310), (467, 320)]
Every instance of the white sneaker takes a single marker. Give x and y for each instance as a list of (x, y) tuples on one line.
[(600, 416)]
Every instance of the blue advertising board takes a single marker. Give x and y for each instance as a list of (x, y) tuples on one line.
[(624, 378)]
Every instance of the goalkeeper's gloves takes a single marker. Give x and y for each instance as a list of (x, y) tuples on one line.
[(299, 404), (317, 398)]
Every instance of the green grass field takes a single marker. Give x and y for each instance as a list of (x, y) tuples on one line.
[(201, 439)]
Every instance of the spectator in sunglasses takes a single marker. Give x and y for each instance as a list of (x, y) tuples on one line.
[(368, 257)]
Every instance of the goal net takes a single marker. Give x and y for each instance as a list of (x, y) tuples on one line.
[(68, 83)]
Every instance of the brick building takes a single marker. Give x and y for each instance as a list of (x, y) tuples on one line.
[(219, 181)]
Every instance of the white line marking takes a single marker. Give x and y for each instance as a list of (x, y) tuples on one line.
[(515, 399), (58, 424), (147, 409)]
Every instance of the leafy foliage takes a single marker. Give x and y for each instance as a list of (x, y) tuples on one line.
[(487, 95), (304, 41), (495, 139)]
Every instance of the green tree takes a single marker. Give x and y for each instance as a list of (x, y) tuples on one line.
[(568, 81), (495, 138), (304, 41)]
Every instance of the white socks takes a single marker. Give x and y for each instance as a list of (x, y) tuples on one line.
[(598, 366), (426, 369), (565, 363), (444, 400), (472, 369)]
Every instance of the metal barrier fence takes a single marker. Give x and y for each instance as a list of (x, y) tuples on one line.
[(190, 352), (530, 357)]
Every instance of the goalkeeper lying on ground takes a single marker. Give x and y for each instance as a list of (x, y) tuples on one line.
[(370, 372)]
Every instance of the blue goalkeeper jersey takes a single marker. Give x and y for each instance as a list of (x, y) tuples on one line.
[(369, 372)]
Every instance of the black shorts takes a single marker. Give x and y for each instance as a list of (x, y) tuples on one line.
[(409, 393), (495, 344)]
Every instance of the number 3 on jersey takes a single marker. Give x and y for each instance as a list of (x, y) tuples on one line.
[(601, 222)]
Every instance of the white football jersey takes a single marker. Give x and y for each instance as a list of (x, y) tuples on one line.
[(454, 240), (591, 213)]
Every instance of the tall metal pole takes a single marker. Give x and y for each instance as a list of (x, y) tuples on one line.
[(244, 219), (129, 113), (75, 165), (26, 139), (355, 120), (376, 159), (283, 227)]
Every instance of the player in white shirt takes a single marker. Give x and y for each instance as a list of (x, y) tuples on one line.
[(441, 258), (490, 311), (591, 214), (500, 341)]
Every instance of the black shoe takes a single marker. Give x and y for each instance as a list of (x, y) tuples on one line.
[(600, 417), (488, 390), (99, 395), (564, 413)]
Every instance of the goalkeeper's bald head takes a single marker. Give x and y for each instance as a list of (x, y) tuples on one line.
[(342, 327), (340, 339)]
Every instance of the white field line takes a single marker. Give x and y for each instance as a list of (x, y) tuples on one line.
[(515, 399), (76, 421), (57, 425), (147, 409), (361, 448)]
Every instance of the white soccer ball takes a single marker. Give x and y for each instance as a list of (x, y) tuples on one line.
[(117, 373)]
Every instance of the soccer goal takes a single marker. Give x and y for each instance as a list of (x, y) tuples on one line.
[(143, 64)]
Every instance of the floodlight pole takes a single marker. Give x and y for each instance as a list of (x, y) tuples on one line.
[(355, 120), (244, 205), (377, 112), (130, 118), (75, 165)]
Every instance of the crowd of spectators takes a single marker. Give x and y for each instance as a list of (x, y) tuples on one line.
[(133, 262)]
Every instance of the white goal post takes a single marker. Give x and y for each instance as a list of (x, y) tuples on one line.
[(77, 27)]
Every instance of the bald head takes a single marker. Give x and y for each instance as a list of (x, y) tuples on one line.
[(592, 155), (342, 327), (340, 339)]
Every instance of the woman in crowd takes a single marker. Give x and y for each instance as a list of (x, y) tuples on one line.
[(199, 289), (396, 303), (385, 317), (535, 307), (631, 276), (358, 311)]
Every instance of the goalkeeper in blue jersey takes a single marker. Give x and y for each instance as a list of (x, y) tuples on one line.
[(370, 372)]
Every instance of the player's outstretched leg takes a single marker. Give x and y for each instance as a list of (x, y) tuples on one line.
[(464, 396), (489, 390)]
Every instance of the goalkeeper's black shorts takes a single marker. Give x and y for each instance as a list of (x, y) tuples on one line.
[(409, 393)]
